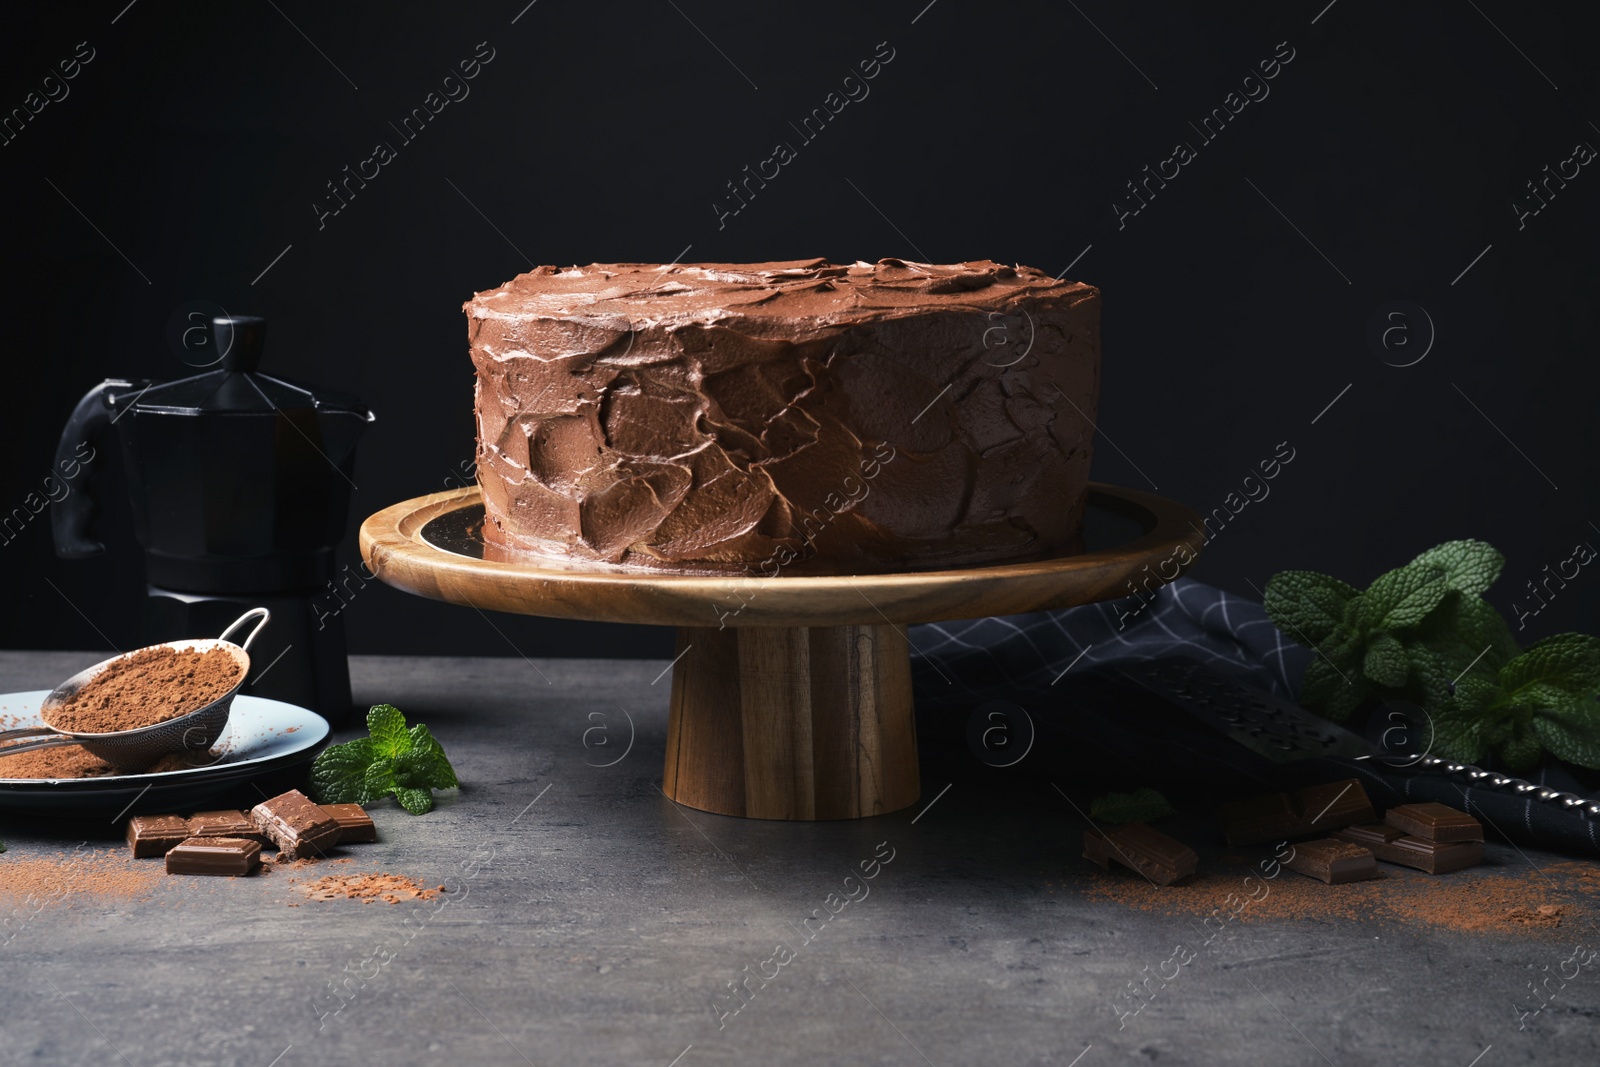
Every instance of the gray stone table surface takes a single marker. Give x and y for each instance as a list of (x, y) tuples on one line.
[(588, 920)]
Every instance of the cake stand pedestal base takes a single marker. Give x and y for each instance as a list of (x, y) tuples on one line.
[(801, 722)]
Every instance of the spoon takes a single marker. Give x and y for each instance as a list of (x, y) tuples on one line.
[(136, 749)]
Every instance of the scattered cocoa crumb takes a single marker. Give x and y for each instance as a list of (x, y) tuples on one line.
[(146, 687), (305, 861), (1585, 875), (389, 888), (1483, 899)]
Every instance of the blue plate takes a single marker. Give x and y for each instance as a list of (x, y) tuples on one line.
[(262, 736)]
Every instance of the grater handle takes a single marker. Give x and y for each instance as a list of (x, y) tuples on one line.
[(1492, 780)]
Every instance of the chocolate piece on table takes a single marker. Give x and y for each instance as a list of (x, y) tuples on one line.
[(153, 835), (1335, 862), (1434, 822), (223, 824), (1334, 804), (1391, 845), (354, 822), (1313, 810), (1436, 857), (1373, 836), (295, 825), (215, 855), (1152, 853)]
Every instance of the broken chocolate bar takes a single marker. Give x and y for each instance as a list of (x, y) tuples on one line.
[(214, 855), (1304, 813), (1138, 847), (1391, 845), (295, 825), (354, 822), (154, 835), (1434, 822), (223, 824), (1335, 804), (1335, 862)]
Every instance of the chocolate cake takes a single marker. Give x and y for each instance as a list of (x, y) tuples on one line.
[(797, 416)]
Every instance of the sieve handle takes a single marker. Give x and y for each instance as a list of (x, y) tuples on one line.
[(26, 731), (254, 613)]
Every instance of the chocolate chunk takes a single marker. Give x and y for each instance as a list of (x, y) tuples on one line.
[(1336, 804), (154, 835), (1304, 813), (214, 855), (224, 824), (1391, 845), (295, 825), (1370, 836), (1434, 822), (354, 822), (1335, 862), (1138, 847)]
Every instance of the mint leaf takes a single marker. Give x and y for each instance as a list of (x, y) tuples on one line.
[(1522, 751), (338, 773), (1330, 692), (1574, 737), (416, 801), (378, 781), (1319, 684), (1386, 662), (1142, 805), (394, 760), (1569, 662), (426, 764), (1459, 722), (1458, 739), (1463, 633), (1402, 597), (1346, 699), (1306, 605), (1469, 566), (388, 729)]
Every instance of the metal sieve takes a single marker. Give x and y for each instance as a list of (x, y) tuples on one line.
[(134, 750)]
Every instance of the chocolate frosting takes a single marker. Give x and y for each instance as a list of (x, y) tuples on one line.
[(797, 416)]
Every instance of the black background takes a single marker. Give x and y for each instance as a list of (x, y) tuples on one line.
[(199, 137)]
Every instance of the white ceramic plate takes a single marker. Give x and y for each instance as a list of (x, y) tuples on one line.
[(262, 735)]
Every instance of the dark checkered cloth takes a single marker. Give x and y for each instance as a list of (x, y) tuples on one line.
[(1054, 664)]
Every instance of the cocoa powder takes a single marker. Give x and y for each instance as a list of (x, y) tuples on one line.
[(389, 888), (1488, 899), (66, 761), (37, 882), (75, 761), (146, 687)]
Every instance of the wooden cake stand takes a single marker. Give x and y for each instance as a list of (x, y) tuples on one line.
[(791, 695)]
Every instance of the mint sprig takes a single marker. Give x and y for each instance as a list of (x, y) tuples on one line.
[(1423, 632), (405, 762), (1141, 805)]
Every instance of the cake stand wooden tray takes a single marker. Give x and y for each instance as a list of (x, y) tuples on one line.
[(791, 695)]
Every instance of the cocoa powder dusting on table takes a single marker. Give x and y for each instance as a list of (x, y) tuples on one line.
[(146, 687), (33, 883), (1516, 900)]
